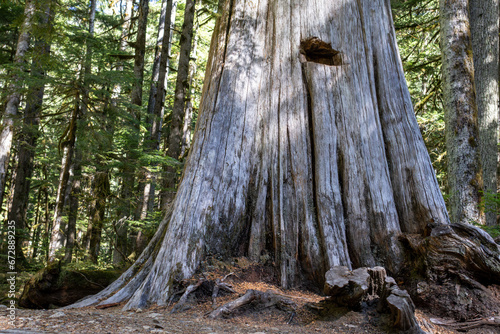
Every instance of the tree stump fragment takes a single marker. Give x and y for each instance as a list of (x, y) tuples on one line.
[(350, 288)]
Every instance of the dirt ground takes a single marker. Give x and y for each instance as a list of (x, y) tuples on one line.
[(193, 320)]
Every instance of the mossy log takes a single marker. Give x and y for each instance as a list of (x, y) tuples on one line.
[(56, 286)]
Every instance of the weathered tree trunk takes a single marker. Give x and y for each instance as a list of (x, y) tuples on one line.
[(14, 97), (459, 103), (484, 31), (309, 154), (29, 133), (181, 89)]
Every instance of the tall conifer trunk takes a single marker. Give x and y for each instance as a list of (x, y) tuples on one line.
[(484, 31), (58, 237), (156, 107), (14, 97), (461, 117), (308, 154), (29, 133), (174, 141)]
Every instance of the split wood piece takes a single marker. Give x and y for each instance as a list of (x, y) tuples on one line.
[(403, 311), (182, 301), (377, 280), (264, 299), (401, 307), (467, 325), (345, 287)]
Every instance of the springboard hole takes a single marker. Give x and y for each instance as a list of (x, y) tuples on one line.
[(318, 51)]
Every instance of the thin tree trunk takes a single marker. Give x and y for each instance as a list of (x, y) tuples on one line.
[(188, 114), (484, 30), (181, 89), (14, 97), (47, 224), (313, 157), (128, 171), (459, 102), (74, 199), (100, 192), (156, 108), (36, 226), (58, 237), (29, 134)]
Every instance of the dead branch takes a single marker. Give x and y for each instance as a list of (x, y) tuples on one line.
[(184, 297), (264, 299)]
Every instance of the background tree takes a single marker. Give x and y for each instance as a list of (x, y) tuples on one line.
[(459, 102), (14, 95), (484, 31)]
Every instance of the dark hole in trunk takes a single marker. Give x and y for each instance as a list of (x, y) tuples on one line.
[(318, 51)]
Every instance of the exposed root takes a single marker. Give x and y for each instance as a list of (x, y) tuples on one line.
[(101, 307), (467, 325), (262, 299), (181, 304), (215, 287), (219, 284)]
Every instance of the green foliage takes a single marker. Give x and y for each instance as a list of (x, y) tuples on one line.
[(111, 132), (417, 30)]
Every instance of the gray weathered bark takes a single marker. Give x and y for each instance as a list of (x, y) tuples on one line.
[(313, 157), (484, 31), (459, 103), (14, 97)]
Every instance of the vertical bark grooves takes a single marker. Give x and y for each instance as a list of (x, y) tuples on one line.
[(263, 145)]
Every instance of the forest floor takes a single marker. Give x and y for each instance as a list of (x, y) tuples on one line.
[(193, 319)]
